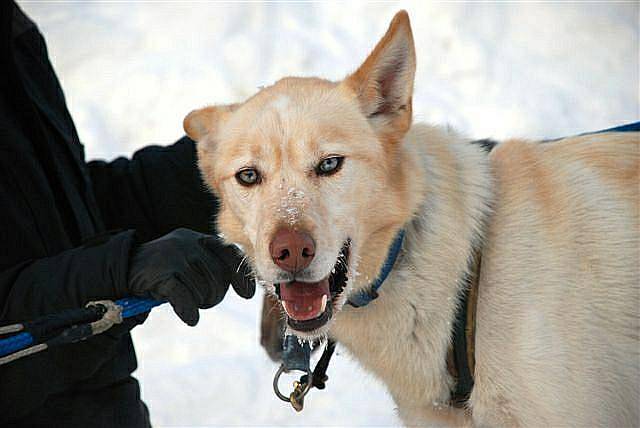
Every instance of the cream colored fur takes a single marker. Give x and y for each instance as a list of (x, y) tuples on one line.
[(404, 335), (557, 336)]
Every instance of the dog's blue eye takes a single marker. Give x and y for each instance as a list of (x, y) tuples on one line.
[(329, 165), (248, 177)]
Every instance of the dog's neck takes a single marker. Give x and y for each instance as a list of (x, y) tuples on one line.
[(403, 336)]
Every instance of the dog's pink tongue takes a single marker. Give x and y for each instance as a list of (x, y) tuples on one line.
[(303, 300)]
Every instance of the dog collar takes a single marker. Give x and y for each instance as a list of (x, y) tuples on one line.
[(364, 297)]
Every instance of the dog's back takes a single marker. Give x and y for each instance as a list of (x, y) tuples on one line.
[(558, 315)]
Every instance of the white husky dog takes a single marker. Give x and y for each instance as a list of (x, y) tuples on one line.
[(316, 178)]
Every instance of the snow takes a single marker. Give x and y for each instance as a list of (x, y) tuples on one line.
[(131, 72)]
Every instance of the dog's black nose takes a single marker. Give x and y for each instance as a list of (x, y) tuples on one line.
[(292, 250)]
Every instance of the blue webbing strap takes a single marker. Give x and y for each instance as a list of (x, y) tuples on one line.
[(364, 297), (630, 127)]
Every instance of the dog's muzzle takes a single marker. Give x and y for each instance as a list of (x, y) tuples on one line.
[(310, 305)]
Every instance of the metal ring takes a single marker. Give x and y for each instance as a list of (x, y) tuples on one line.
[(276, 378), (275, 384)]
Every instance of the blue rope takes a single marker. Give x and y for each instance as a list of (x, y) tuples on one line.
[(131, 307), (15, 343)]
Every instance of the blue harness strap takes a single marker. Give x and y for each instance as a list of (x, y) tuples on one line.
[(629, 127), (364, 297)]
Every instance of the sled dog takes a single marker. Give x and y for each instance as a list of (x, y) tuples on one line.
[(316, 179)]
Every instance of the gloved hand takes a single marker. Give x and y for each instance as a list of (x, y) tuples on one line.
[(190, 270)]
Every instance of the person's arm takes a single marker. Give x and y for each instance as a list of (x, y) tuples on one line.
[(188, 269), (158, 190), (49, 285), (94, 271)]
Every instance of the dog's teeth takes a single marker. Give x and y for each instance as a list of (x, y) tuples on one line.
[(284, 305), (323, 306)]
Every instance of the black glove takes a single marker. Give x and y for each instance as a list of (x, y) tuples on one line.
[(190, 270)]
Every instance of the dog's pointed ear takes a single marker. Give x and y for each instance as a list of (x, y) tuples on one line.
[(205, 121), (384, 82)]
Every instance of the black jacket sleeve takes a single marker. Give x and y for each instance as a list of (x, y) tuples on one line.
[(54, 254), (95, 271), (43, 272), (158, 190)]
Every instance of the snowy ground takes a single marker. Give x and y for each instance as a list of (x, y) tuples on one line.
[(131, 71)]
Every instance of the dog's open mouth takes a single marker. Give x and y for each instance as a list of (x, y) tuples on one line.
[(309, 305)]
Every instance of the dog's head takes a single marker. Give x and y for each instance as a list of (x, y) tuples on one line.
[(312, 179)]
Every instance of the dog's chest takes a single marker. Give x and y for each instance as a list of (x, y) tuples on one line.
[(397, 341)]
